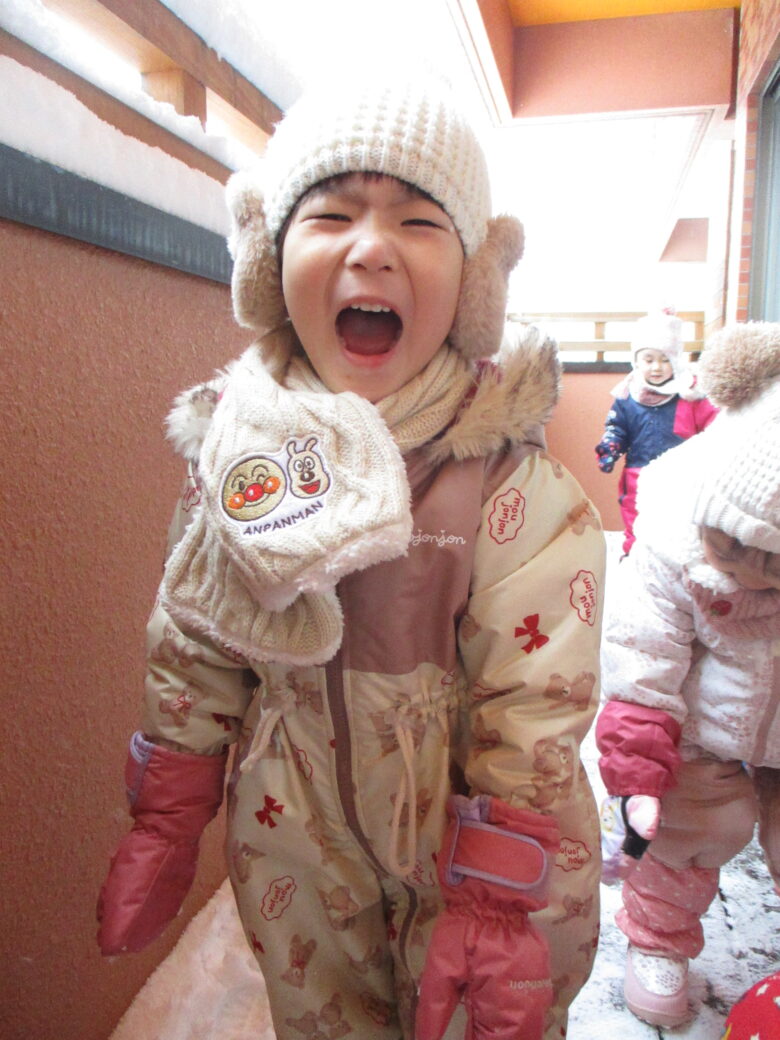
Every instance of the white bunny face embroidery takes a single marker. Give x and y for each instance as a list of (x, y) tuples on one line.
[(306, 470)]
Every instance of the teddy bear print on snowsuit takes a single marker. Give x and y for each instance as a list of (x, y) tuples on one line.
[(300, 955), (339, 906), (327, 1024), (577, 692)]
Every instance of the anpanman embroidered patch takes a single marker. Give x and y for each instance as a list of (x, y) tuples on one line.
[(256, 485)]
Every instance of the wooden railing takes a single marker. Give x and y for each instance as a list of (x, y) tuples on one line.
[(600, 341)]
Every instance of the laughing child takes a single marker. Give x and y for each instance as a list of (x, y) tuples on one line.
[(388, 599)]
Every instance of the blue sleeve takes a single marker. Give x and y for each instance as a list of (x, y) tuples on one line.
[(616, 429)]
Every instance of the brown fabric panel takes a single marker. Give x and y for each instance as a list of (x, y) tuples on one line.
[(405, 612)]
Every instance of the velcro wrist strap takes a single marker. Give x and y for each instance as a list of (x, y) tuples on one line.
[(493, 854), (140, 751)]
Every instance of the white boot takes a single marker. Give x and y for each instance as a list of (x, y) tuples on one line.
[(656, 987)]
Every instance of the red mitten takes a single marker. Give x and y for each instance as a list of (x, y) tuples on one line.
[(172, 797), (493, 869)]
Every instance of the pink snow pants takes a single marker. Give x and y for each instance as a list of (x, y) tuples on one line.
[(706, 819), (627, 501)]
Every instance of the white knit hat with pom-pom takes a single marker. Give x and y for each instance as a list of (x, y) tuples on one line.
[(662, 331), (740, 488)]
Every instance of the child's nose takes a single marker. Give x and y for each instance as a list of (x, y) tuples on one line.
[(371, 249)]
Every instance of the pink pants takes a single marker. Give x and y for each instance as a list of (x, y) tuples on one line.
[(706, 819), (627, 501)]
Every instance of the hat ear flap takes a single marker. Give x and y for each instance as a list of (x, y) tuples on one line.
[(256, 283), (481, 313)]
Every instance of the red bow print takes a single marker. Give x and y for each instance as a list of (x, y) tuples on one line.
[(536, 639), (271, 806)]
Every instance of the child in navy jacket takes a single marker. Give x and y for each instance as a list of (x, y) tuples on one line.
[(656, 407)]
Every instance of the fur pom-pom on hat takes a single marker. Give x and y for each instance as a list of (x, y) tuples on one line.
[(741, 362), (740, 490)]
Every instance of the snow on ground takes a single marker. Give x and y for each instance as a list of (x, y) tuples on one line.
[(209, 988)]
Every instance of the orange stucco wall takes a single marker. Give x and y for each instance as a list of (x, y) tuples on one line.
[(624, 64), (94, 347)]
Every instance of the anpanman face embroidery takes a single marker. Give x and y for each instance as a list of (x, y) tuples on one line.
[(290, 483), (253, 487)]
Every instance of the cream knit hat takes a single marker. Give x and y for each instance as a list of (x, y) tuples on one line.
[(740, 488), (409, 130)]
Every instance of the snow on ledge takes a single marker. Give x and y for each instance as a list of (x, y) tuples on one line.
[(50, 34), (46, 121)]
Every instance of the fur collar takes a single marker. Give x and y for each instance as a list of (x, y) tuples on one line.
[(511, 400)]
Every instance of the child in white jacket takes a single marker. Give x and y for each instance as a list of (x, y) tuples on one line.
[(690, 736)]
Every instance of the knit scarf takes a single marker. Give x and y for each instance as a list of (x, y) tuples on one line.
[(682, 384), (635, 386), (301, 486)]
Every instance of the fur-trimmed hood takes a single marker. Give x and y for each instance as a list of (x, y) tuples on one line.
[(512, 398)]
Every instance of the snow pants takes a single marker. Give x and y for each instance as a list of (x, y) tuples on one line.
[(627, 502), (705, 821)]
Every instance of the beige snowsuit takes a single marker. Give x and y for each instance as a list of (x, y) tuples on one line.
[(469, 664)]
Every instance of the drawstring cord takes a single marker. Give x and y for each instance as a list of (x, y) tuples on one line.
[(407, 795), (407, 788), (266, 725), (403, 729)]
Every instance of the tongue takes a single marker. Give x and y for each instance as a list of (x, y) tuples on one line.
[(368, 332)]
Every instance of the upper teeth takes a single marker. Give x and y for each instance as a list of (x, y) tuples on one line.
[(374, 307)]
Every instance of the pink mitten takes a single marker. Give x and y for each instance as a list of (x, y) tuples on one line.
[(172, 797), (493, 870)]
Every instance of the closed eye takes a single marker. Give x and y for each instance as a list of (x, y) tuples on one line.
[(421, 222), (329, 216)]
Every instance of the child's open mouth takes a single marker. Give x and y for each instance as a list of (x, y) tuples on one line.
[(368, 329)]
